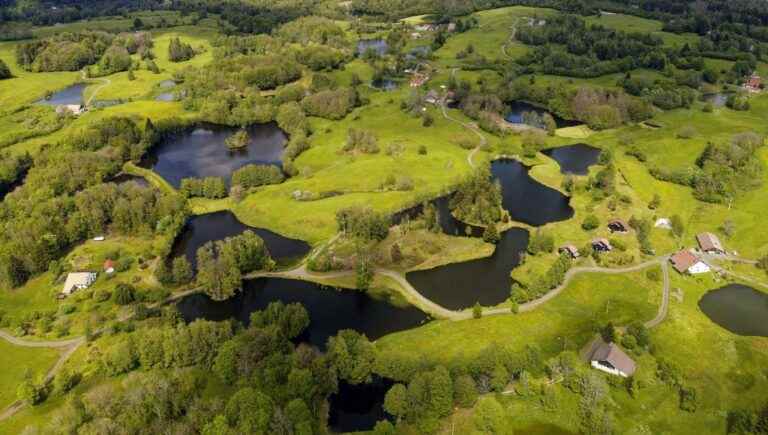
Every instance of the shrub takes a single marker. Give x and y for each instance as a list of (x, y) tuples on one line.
[(124, 294), (590, 223)]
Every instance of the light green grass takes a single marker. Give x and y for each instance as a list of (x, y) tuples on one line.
[(15, 362), (631, 23)]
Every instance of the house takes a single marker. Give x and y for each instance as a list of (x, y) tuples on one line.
[(75, 109), (418, 79), (601, 245), (753, 83), (618, 226), (663, 223), (686, 262), (571, 250), (109, 267), (451, 27), (78, 281), (709, 243), (611, 359), (432, 97), (425, 27)]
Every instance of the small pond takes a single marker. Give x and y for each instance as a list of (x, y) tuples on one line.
[(201, 152), (128, 178), (737, 308), (358, 408), (526, 199), (521, 112), (574, 159), (205, 228), (69, 95), (485, 280), (330, 309), (166, 96), (717, 99), (377, 45), (385, 84)]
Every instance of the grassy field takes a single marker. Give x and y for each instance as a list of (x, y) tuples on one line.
[(630, 23), (16, 361)]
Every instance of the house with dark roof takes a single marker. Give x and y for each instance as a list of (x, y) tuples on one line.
[(601, 245), (571, 250), (710, 244), (687, 262), (618, 226), (609, 358)]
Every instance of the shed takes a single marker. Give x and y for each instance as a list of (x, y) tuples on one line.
[(571, 250), (686, 262), (432, 97), (608, 357), (78, 281), (109, 266), (709, 243), (618, 226)]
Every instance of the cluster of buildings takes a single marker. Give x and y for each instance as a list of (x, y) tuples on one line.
[(75, 109), (690, 261), (753, 84)]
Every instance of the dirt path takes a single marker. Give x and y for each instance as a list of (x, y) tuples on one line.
[(104, 83), (468, 125)]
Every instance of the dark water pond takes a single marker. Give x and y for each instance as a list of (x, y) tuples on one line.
[(330, 309), (205, 228), (128, 178), (521, 112), (201, 152), (385, 84), (526, 199), (486, 280), (574, 159), (737, 308), (717, 99), (358, 407), (377, 45), (70, 95)]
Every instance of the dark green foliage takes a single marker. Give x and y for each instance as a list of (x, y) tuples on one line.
[(208, 187), (478, 198), (477, 311), (363, 272), (179, 51), (124, 294), (181, 270), (330, 104), (465, 391), (63, 52), (220, 265), (590, 223), (608, 333), (5, 72), (257, 175), (290, 117), (641, 334), (541, 241), (728, 169), (30, 393), (291, 319), (491, 234), (738, 102), (320, 58), (363, 223), (688, 400), (352, 355), (363, 141), (396, 401), (115, 59), (118, 133)]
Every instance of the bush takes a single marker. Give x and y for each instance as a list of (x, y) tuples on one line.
[(124, 294), (590, 223)]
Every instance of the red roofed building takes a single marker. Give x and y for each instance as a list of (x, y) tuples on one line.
[(686, 262)]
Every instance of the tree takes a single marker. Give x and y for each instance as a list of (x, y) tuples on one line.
[(179, 51), (590, 223), (396, 401), (608, 333), (239, 140), (549, 124), (124, 294), (678, 228), (364, 273), (491, 234), (181, 270), (499, 378), (352, 355), (5, 72), (477, 311), (217, 271), (441, 391), (137, 24), (655, 202), (465, 391), (131, 75), (65, 380), (29, 392), (249, 411)]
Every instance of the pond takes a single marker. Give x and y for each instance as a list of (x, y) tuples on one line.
[(166, 96), (205, 228), (737, 308), (330, 309), (128, 178), (521, 112), (717, 99), (485, 280), (69, 95), (385, 84), (574, 159), (201, 152), (377, 45), (526, 199), (358, 408)]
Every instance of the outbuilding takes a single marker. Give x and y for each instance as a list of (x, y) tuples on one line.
[(618, 226), (686, 262), (571, 250), (710, 244), (78, 281), (609, 358), (601, 245)]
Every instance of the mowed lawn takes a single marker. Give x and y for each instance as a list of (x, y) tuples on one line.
[(567, 321), (16, 361)]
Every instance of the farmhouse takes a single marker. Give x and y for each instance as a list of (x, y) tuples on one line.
[(709, 243), (601, 245), (686, 262), (753, 83), (611, 359), (571, 250), (618, 226), (75, 109), (78, 281)]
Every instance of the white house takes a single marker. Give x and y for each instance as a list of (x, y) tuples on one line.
[(78, 281), (609, 358), (686, 262), (75, 109)]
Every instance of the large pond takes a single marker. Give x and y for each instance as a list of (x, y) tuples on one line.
[(377, 45), (330, 309), (485, 280), (526, 199), (358, 407), (201, 152), (574, 159), (521, 112), (737, 308), (69, 95), (205, 228)]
